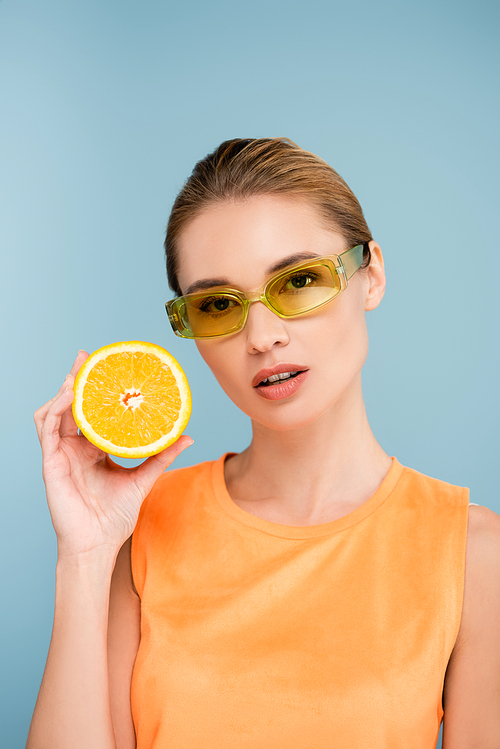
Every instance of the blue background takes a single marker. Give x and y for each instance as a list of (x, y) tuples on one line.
[(107, 105)]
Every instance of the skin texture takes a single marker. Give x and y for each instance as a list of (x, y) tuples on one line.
[(313, 458)]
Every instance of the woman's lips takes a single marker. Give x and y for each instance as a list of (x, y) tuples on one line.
[(281, 388), (277, 369)]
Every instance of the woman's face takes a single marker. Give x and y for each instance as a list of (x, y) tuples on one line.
[(238, 243)]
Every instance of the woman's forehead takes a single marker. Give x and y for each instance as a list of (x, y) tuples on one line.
[(240, 243)]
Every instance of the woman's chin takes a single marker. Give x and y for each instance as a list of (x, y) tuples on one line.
[(292, 417)]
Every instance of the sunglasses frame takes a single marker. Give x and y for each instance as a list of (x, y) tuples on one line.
[(342, 267)]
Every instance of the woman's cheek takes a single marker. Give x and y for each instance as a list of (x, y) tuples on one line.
[(341, 349), (227, 368)]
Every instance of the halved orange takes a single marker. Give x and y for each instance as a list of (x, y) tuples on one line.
[(132, 399)]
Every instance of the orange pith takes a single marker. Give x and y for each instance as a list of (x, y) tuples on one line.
[(131, 399)]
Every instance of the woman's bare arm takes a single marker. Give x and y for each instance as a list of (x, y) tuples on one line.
[(91, 657), (73, 707), (124, 630), (94, 505), (472, 683)]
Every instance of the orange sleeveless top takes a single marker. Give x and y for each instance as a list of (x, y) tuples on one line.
[(256, 635)]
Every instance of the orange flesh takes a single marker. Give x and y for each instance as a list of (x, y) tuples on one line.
[(114, 381)]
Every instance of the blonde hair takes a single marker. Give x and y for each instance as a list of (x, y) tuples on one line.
[(244, 167)]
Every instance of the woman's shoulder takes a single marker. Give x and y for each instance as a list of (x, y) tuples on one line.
[(185, 475), (175, 486), (482, 569), (473, 675), (483, 533), (175, 502), (196, 478), (437, 490), (483, 546)]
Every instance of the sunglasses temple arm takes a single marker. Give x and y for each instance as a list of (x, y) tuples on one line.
[(352, 259)]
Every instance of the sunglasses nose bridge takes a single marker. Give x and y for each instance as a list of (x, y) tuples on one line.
[(254, 296), (259, 296)]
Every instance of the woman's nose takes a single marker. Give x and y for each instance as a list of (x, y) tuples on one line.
[(264, 329)]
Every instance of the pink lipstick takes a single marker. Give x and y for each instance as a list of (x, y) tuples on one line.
[(280, 381)]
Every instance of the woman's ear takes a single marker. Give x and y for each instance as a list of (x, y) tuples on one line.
[(375, 276)]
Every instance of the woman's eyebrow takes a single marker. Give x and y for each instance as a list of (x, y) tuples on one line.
[(206, 283), (290, 260), (210, 283)]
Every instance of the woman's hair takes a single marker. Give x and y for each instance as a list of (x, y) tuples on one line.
[(245, 167)]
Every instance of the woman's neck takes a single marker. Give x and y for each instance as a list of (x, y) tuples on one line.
[(312, 474)]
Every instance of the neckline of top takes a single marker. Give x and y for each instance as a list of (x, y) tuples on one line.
[(309, 531)]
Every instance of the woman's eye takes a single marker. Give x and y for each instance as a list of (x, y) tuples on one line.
[(299, 281), (221, 304), (216, 305)]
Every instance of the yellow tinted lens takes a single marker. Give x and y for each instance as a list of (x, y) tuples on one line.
[(207, 315), (303, 289)]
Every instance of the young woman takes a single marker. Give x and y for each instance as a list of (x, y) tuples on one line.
[(309, 592)]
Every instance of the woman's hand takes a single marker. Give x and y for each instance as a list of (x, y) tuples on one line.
[(94, 503)]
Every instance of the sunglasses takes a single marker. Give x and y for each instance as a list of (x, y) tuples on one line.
[(301, 288)]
